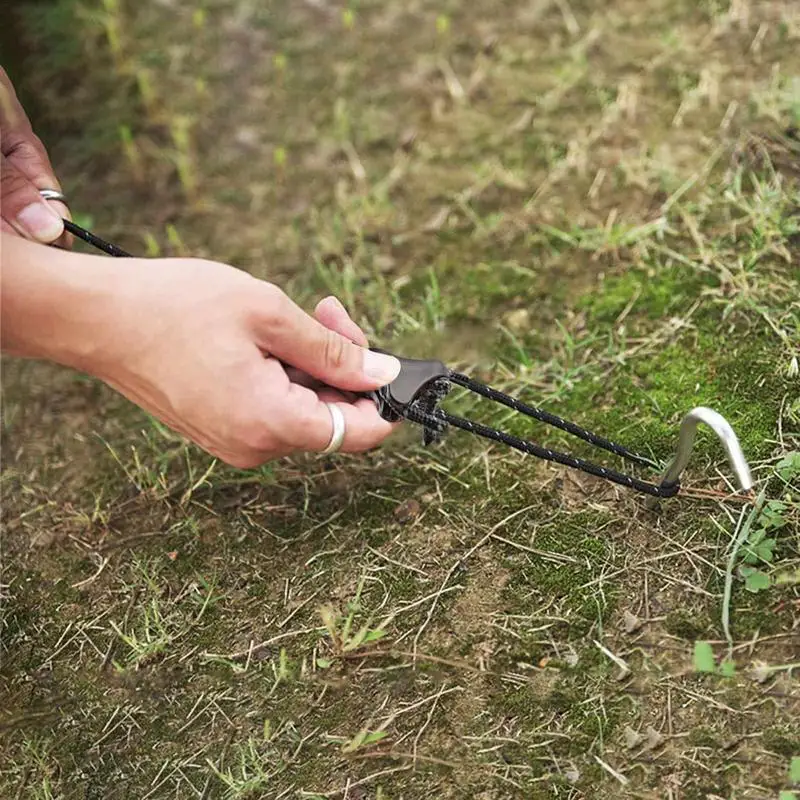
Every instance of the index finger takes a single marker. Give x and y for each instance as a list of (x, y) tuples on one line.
[(25, 150)]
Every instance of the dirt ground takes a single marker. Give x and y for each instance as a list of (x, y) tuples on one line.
[(591, 205)]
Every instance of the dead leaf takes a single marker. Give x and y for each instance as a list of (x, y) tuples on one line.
[(437, 221), (407, 511)]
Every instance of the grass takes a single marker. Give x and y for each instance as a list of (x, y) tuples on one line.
[(592, 206)]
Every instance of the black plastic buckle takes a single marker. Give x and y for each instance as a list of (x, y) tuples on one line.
[(414, 378)]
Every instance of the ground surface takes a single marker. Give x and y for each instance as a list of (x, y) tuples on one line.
[(591, 204)]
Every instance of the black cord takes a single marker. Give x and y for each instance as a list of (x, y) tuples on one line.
[(438, 420), (549, 419), (423, 411), (100, 244)]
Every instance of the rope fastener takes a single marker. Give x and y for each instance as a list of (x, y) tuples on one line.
[(422, 384)]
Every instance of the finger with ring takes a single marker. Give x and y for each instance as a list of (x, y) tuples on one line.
[(53, 194), (337, 436)]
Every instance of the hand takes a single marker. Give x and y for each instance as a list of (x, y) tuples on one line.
[(24, 169), (223, 358)]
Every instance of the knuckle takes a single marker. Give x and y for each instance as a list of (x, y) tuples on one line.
[(249, 433), (14, 183), (296, 423), (27, 151), (258, 437), (271, 291), (272, 302), (244, 461), (334, 350), (293, 423)]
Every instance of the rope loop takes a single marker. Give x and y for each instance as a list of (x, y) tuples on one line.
[(424, 410)]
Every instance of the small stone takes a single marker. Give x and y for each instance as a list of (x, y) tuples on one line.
[(632, 738), (572, 774), (630, 622), (246, 137), (384, 263), (761, 672), (653, 738), (518, 321), (407, 139), (407, 511)]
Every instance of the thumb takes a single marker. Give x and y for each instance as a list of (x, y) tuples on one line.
[(24, 209), (288, 333)]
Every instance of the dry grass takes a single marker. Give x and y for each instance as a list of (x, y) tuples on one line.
[(593, 205)]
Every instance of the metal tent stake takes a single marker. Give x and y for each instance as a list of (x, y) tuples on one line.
[(725, 434)]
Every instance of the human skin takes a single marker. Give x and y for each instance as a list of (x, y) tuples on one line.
[(223, 358), (26, 168)]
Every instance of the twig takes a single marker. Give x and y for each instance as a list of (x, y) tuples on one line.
[(368, 779), (427, 722), (397, 754), (112, 644), (92, 578), (397, 563), (239, 655), (434, 697), (717, 496), (624, 668), (418, 657), (611, 771), (570, 22), (559, 558), (296, 610)]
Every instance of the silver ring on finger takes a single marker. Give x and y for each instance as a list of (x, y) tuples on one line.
[(53, 194), (337, 437)]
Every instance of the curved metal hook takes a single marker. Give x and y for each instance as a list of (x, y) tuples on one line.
[(720, 426)]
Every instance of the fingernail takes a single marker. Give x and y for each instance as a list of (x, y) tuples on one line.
[(380, 367), (40, 222)]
